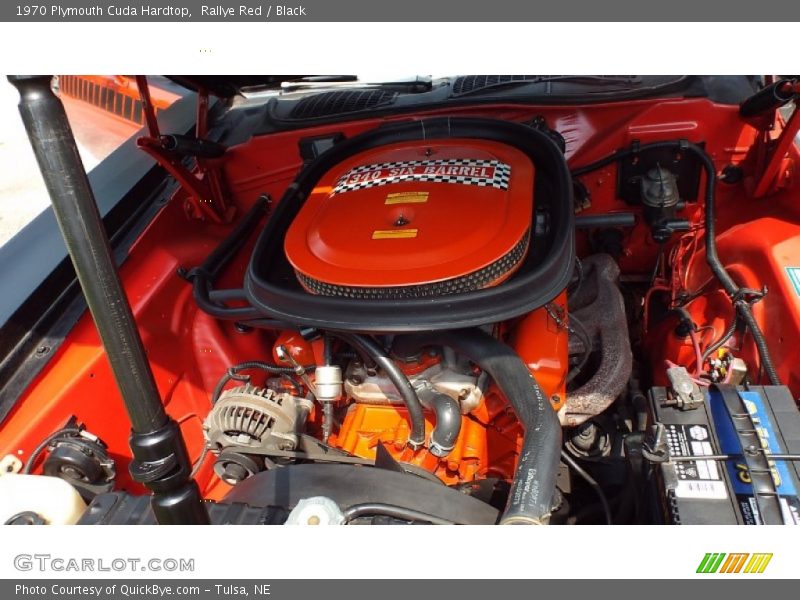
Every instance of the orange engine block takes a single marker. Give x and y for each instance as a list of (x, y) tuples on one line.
[(490, 434)]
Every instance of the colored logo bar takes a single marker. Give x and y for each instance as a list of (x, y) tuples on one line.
[(737, 562)]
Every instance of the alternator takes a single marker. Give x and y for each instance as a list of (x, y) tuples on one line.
[(256, 418)]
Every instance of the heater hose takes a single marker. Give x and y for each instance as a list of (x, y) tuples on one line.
[(530, 500), (366, 345)]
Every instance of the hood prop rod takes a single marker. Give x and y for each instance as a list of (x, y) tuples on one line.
[(160, 460)]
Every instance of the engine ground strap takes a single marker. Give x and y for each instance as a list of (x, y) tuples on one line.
[(755, 457)]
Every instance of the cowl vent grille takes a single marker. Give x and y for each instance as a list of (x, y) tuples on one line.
[(340, 102), (470, 83)]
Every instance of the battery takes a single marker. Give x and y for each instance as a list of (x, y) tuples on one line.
[(698, 491)]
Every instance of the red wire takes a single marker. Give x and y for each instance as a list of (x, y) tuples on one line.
[(698, 353)]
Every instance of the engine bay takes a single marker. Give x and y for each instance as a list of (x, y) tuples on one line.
[(487, 313)]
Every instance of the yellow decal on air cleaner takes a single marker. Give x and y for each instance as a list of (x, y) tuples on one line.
[(393, 234), (407, 198)]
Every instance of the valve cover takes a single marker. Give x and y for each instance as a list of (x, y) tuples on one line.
[(415, 219)]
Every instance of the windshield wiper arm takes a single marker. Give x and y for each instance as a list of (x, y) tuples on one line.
[(414, 86)]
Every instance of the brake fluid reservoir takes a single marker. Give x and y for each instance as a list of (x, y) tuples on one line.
[(51, 498)]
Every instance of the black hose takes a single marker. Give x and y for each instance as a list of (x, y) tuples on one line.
[(232, 374), (573, 464), (203, 276), (223, 381), (448, 420), (268, 367), (530, 500), (269, 324), (66, 432), (718, 269), (217, 296), (743, 307), (233, 242), (201, 290), (602, 221), (740, 304), (603, 162), (408, 394), (392, 510), (769, 98)]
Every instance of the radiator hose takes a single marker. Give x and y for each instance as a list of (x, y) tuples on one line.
[(448, 419), (530, 500)]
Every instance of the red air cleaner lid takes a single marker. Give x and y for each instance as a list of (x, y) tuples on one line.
[(410, 220)]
